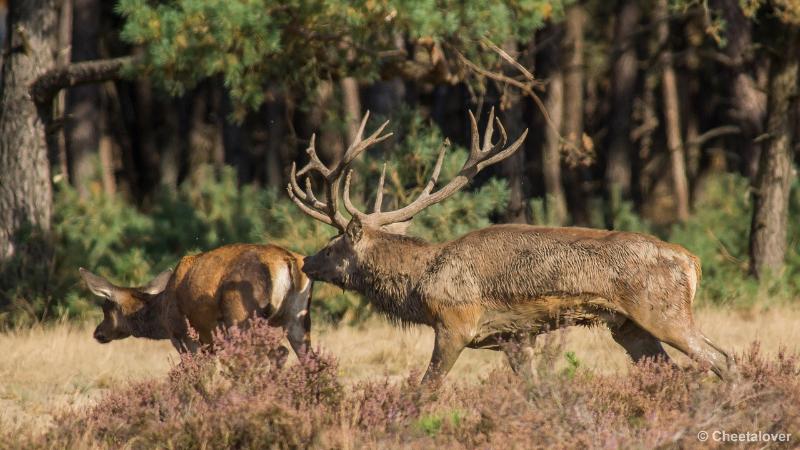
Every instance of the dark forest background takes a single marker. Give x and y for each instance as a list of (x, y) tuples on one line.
[(137, 131)]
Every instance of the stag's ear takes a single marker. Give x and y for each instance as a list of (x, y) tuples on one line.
[(397, 227), (158, 284), (98, 285), (354, 230)]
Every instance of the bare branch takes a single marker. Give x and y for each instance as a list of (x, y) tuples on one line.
[(714, 133), (49, 83)]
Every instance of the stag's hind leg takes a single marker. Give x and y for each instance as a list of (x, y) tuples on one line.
[(637, 342), (679, 331), (693, 343)]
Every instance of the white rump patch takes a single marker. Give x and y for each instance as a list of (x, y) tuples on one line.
[(281, 285)]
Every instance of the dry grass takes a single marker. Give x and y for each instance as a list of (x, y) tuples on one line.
[(377, 348), (45, 369)]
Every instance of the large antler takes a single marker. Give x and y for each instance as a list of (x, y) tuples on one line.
[(328, 211), (479, 158)]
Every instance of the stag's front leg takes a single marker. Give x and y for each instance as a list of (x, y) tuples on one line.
[(520, 353), (447, 347)]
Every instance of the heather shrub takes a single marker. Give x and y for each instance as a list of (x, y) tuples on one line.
[(237, 394), (242, 395), (656, 405)]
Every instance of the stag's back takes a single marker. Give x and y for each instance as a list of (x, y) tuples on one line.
[(507, 264)]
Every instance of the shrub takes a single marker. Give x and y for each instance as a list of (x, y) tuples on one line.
[(241, 395), (238, 395)]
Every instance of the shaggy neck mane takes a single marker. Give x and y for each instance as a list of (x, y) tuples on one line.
[(390, 270)]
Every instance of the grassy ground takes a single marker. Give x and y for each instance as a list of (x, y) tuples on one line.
[(45, 369)]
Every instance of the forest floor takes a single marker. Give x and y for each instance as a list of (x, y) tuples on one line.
[(46, 369)]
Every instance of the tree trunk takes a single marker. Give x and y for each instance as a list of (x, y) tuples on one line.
[(513, 167), (83, 106), (201, 134), (106, 150), (3, 16), (774, 180), (748, 102), (58, 156), (147, 157), (25, 191), (573, 108), (623, 88), (351, 101), (119, 128), (329, 140), (555, 201), (672, 122), (171, 144), (647, 122), (548, 65)]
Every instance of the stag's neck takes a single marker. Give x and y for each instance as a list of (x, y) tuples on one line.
[(155, 320), (390, 274)]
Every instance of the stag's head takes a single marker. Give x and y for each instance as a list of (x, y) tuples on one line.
[(121, 304), (339, 262)]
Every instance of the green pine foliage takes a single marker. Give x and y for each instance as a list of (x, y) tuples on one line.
[(294, 44)]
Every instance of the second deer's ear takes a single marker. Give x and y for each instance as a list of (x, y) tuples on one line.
[(98, 285), (157, 284), (354, 230)]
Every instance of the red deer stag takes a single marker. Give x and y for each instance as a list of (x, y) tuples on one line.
[(220, 288), (497, 287)]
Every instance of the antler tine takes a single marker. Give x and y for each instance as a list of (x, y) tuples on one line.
[(293, 182), (314, 163), (489, 149), (503, 154), (436, 168), (311, 198), (487, 136), (379, 194), (324, 211), (475, 148), (308, 210), (503, 135), (359, 145), (348, 204), (362, 126), (357, 140)]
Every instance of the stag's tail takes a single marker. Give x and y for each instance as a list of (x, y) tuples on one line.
[(695, 273)]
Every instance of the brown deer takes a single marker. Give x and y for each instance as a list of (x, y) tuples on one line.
[(223, 287), (497, 287)]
